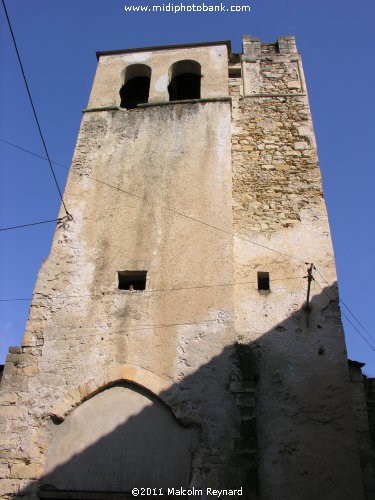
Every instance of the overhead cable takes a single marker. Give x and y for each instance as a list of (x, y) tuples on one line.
[(66, 218), (346, 317), (33, 108), (55, 297), (32, 153), (184, 215), (234, 235), (347, 308)]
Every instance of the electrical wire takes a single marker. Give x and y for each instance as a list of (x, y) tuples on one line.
[(196, 220), (146, 291), (356, 329), (234, 235), (31, 224), (345, 316), (347, 308), (32, 153), (145, 327), (33, 108), (184, 215)]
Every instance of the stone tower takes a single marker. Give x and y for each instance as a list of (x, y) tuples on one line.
[(169, 343)]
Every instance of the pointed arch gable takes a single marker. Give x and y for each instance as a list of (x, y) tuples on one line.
[(124, 373)]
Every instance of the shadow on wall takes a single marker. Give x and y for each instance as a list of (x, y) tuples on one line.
[(271, 417)]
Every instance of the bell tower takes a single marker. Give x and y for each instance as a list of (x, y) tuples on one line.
[(169, 344)]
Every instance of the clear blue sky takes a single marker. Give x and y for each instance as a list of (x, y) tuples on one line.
[(58, 40)]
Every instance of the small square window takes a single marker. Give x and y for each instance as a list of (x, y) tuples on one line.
[(234, 72), (132, 280), (263, 281)]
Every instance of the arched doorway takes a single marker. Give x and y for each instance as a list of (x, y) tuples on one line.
[(121, 438)]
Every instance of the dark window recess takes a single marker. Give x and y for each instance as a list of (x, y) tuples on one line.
[(263, 281), (136, 87), (132, 280), (185, 86), (185, 81), (234, 72), (134, 92)]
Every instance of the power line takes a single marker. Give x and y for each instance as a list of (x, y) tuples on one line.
[(201, 222), (345, 316), (347, 308), (355, 317), (234, 235), (33, 107), (170, 325), (63, 219), (147, 291), (14, 300), (32, 153), (145, 327), (181, 214), (356, 329), (230, 233)]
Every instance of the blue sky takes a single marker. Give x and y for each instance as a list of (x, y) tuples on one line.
[(58, 40)]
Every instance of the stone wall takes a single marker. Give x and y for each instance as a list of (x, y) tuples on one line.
[(305, 426)]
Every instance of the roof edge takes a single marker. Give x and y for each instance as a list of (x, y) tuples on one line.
[(165, 47)]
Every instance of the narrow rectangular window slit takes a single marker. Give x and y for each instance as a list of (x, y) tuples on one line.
[(263, 281), (132, 280), (234, 72)]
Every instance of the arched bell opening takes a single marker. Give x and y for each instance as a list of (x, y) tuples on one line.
[(136, 86), (184, 80)]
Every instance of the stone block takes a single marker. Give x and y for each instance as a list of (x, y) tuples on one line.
[(13, 358), (239, 387), (299, 146), (294, 85), (88, 388), (4, 471), (74, 397), (287, 45), (28, 339), (26, 471), (9, 487), (14, 350), (29, 370), (268, 74), (59, 412), (8, 398), (251, 47), (9, 411)]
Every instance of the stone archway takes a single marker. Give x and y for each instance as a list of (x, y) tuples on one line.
[(122, 437)]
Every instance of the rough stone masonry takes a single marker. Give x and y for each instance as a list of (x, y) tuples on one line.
[(169, 344)]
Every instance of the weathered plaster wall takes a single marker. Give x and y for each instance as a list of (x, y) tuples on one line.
[(167, 166), (110, 73)]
